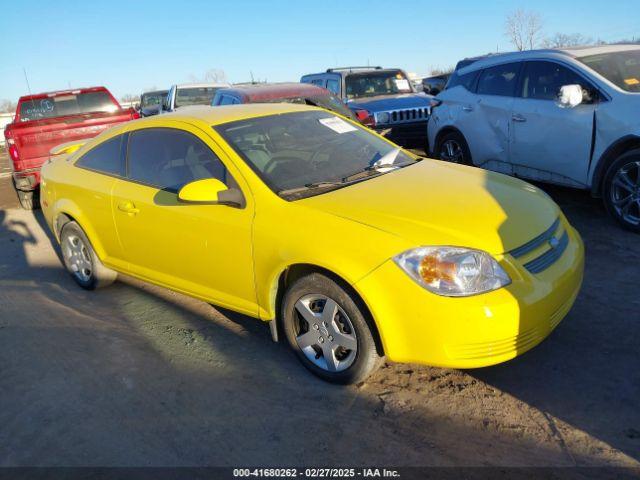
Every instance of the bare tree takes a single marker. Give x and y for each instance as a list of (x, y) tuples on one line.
[(214, 75), (129, 98), (7, 106), (523, 28), (435, 71), (560, 40)]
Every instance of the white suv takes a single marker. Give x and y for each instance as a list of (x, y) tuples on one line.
[(570, 117)]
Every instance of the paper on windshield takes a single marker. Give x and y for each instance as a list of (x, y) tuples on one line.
[(402, 84), (337, 125)]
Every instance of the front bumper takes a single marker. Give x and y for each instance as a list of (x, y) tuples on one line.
[(417, 326)]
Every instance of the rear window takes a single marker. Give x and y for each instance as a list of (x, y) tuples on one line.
[(62, 105), (195, 96), (620, 68), (499, 80)]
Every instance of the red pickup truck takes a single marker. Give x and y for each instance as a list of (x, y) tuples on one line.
[(46, 120)]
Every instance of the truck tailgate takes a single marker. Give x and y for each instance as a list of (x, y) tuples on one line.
[(35, 138)]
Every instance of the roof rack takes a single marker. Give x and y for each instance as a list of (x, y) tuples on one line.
[(336, 69)]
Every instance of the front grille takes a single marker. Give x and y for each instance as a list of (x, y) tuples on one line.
[(404, 116), (549, 257), (556, 240)]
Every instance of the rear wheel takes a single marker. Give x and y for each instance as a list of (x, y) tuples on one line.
[(28, 200), (622, 190), (328, 330), (81, 260), (452, 147)]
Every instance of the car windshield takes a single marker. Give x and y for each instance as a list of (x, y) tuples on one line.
[(66, 104), (152, 98), (620, 68), (195, 96), (371, 84), (311, 151)]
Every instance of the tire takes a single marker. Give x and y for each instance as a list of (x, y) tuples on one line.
[(459, 153), (346, 336), (28, 200), (81, 260), (621, 190)]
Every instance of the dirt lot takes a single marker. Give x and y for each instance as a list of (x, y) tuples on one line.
[(139, 375)]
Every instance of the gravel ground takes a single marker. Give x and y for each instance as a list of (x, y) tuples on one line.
[(136, 375)]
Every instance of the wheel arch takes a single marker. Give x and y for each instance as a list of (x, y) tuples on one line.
[(613, 151), (298, 270), (67, 211), (447, 129)]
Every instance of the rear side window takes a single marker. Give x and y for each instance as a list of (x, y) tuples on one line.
[(319, 82), (333, 86), (467, 80), (542, 80), (71, 104), (105, 158), (168, 159), (499, 80)]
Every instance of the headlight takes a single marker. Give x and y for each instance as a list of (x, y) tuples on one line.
[(382, 117), (453, 271)]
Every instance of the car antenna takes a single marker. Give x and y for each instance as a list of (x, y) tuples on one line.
[(26, 79)]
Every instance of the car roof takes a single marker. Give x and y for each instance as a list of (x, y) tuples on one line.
[(268, 91), (221, 114), (55, 93), (204, 84), (572, 52)]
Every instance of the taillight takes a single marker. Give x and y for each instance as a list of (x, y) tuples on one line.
[(135, 115), (13, 152), (365, 118)]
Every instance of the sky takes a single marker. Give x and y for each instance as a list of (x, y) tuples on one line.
[(132, 46)]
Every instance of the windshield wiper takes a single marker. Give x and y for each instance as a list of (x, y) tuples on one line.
[(384, 163), (309, 186)]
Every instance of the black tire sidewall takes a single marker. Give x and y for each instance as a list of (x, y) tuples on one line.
[(458, 137), (632, 156), (366, 356), (74, 228)]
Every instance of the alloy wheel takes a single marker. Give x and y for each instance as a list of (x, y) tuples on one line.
[(625, 193), (78, 258), (451, 151), (325, 333)]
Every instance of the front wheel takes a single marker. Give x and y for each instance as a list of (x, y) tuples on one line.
[(622, 190), (328, 331)]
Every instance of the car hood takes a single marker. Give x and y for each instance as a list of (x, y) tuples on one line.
[(391, 102), (437, 203)]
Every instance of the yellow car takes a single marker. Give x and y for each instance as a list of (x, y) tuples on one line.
[(350, 247)]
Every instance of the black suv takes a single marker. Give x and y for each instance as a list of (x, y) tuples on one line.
[(381, 98)]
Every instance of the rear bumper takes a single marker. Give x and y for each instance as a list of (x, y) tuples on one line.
[(27, 180), (417, 326)]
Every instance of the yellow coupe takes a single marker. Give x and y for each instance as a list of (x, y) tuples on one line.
[(352, 248)]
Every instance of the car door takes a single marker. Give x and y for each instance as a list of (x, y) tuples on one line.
[(548, 142), (200, 249), (486, 117), (97, 171)]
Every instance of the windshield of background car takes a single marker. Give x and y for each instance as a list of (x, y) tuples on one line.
[(293, 150), (371, 84), (71, 104), (152, 98), (195, 96), (620, 68), (330, 102)]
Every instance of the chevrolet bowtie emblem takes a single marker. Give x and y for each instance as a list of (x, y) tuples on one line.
[(554, 242)]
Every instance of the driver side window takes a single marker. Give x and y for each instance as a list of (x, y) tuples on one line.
[(168, 159), (542, 80)]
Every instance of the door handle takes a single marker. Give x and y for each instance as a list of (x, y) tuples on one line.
[(518, 118), (467, 108), (128, 207)]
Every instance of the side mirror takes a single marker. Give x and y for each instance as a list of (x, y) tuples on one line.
[(570, 96), (210, 191)]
